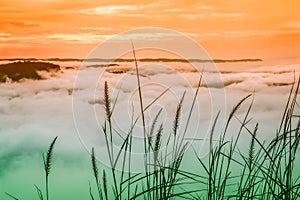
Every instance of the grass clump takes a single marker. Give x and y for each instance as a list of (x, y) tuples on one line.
[(160, 177), (264, 171)]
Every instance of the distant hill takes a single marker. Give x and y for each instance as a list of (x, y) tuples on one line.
[(26, 69)]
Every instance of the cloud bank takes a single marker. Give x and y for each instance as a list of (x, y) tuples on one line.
[(33, 112)]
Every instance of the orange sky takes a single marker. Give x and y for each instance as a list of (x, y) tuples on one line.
[(226, 28)]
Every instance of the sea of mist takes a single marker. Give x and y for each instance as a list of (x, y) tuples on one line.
[(33, 112)]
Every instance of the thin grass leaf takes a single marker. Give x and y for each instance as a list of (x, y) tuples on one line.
[(139, 88), (234, 110), (213, 131), (40, 194), (157, 98), (105, 184), (96, 174), (94, 165), (192, 106), (11, 196), (90, 192), (142, 114)]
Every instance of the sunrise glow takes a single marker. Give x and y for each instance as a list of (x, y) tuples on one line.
[(227, 29)]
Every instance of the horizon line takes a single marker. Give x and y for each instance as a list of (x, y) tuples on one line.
[(131, 60)]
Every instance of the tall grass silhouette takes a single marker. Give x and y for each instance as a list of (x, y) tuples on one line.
[(47, 161)]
